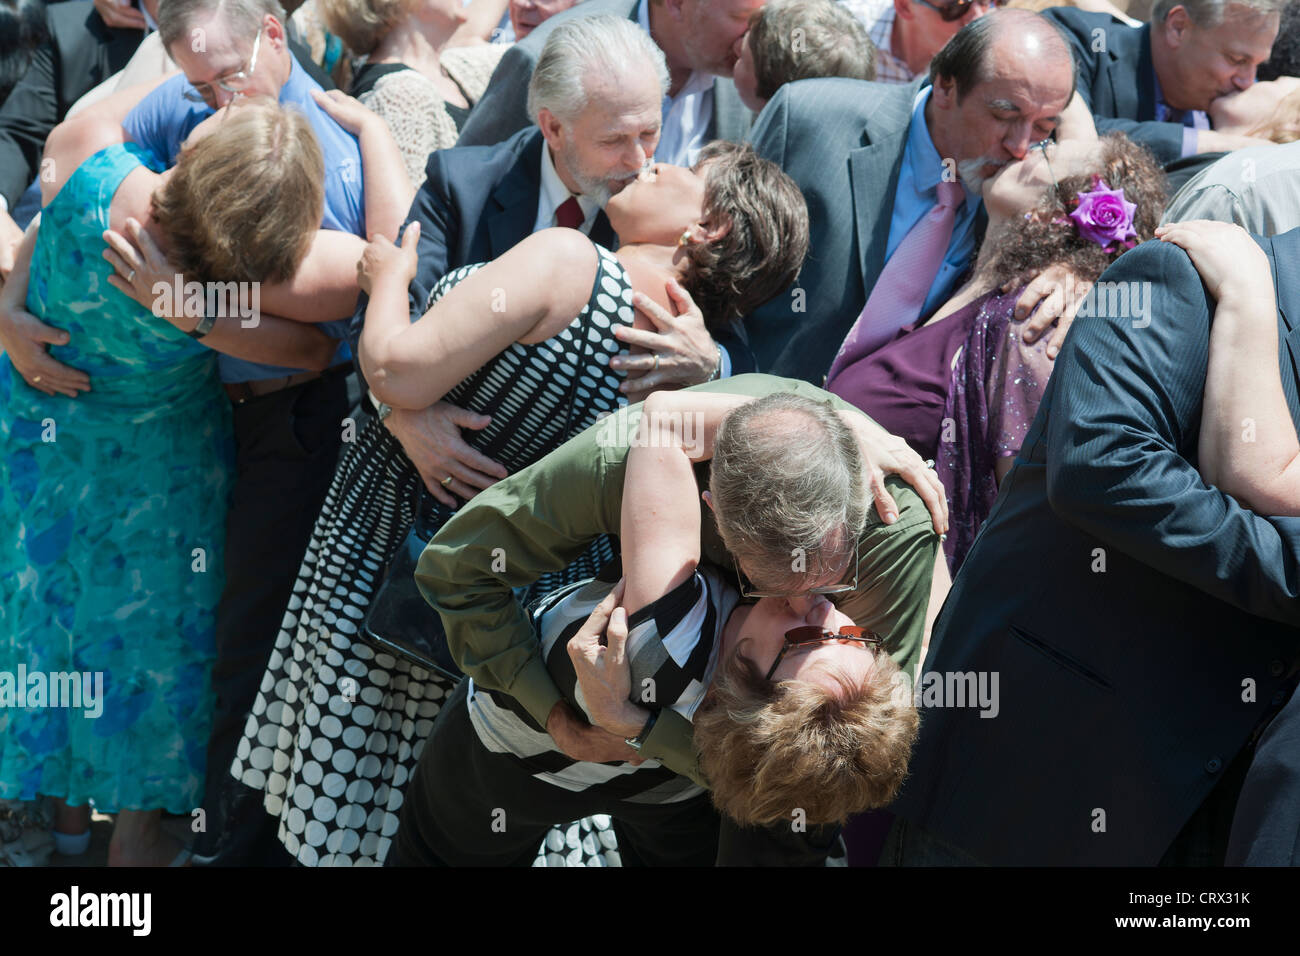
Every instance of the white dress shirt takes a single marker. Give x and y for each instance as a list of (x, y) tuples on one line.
[(553, 193), (686, 116)]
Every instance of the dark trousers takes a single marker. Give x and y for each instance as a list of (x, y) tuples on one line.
[(288, 446), (1266, 827), (467, 806)]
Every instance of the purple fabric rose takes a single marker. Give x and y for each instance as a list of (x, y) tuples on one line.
[(1104, 216)]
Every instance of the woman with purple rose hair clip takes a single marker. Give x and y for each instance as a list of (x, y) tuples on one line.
[(961, 386)]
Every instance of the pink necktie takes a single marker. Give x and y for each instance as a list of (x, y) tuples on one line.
[(569, 214), (901, 290)]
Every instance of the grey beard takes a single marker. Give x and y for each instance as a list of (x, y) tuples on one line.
[(969, 172)]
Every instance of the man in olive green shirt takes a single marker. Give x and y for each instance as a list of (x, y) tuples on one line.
[(544, 517)]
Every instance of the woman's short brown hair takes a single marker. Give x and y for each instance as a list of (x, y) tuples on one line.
[(362, 24), (765, 246), (769, 749), (806, 39), (244, 202), (1043, 240)]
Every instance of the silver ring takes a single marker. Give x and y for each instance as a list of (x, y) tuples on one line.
[(130, 277), (656, 365)]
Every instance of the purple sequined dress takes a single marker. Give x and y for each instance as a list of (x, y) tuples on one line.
[(961, 391), (997, 385)]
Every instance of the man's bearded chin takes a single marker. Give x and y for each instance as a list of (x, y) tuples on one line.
[(971, 172)]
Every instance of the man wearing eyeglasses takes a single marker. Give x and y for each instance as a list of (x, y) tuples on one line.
[(877, 572), (1157, 83), (287, 420), (908, 33)]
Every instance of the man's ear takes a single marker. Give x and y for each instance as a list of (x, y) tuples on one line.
[(903, 10), (549, 124), (944, 92), (674, 8), (1176, 25)]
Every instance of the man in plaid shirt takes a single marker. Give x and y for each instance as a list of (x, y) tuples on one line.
[(907, 33)]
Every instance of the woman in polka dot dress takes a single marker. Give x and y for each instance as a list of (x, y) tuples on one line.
[(337, 726)]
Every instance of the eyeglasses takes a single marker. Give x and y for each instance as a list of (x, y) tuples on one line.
[(811, 634), (1043, 144), (957, 10), (827, 589), (232, 83)]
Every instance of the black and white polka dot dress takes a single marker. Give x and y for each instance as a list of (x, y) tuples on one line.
[(337, 727)]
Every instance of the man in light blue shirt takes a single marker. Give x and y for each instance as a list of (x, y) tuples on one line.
[(165, 117), (918, 181), (288, 422)]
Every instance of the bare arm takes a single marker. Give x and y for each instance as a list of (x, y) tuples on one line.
[(527, 295), (325, 286), (659, 526), (481, 19), (260, 337), (388, 189), (1248, 445)]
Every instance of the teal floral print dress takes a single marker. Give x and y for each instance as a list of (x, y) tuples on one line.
[(112, 523)]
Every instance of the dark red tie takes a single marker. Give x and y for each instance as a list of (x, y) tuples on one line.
[(569, 215)]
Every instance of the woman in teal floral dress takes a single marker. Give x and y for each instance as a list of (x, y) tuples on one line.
[(113, 504)]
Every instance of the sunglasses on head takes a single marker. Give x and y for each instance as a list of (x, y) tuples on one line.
[(811, 634), (957, 10)]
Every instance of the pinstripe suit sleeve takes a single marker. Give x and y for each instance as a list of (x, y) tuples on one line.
[(1124, 418)]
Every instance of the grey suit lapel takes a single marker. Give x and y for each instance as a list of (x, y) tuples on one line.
[(513, 202), (873, 174)]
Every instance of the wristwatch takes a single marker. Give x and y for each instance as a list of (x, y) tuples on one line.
[(637, 742), (203, 328), (382, 411), (717, 369)]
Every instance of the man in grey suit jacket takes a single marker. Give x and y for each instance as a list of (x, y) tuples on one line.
[(859, 151), (698, 37)]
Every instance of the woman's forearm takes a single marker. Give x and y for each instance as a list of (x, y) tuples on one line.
[(388, 189), (659, 524), (528, 295), (481, 19), (1248, 443), (324, 287), (273, 340)]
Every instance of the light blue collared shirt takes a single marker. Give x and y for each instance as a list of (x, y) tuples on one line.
[(164, 118), (918, 191)]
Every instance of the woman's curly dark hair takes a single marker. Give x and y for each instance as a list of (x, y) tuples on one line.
[(1038, 241), (763, 250)]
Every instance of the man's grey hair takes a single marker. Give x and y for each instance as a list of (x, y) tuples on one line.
[(1209, 13), (586, 47), (243, 17), (788, 487)]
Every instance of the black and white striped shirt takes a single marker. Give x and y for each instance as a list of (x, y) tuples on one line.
[(672, 650)]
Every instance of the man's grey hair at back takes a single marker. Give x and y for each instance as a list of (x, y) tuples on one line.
[(1209, 13), (586, 47), (787, 484), (243, 17)]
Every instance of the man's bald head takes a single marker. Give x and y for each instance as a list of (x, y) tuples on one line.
[(1006, 41)]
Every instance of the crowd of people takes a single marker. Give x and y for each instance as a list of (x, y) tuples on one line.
[(538, 432)]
